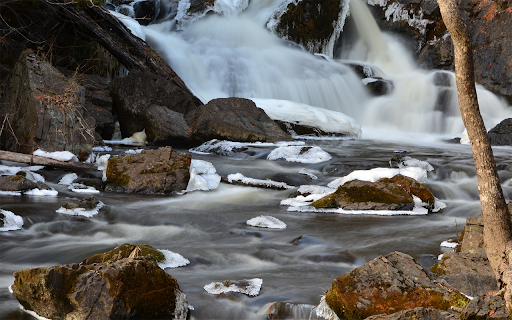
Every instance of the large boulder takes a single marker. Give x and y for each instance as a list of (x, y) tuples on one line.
[(366, 195), (501, 134), (141, 98), (234, 119), (18, 183), (160, 171), (388, 284), (45, 110), (110, 286)]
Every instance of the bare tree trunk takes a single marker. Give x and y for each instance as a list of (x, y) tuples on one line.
[(496, 216)]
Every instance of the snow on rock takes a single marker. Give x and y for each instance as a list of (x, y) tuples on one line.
[(57, 155), (250, 287), (102, 163), (132, 151), (449, 244), (44, 192), (266, 222), (34, 177), (270, 184), (229, 148), (82, 188), (172, 260), (82, 211), (68, 179), (10, 193), (308, 173), (10, 221), (203, 176), (10, 170), (405, 162), (302, 114), (417, 173), (300, 154)]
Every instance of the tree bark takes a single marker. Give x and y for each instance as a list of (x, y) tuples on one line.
[(496, 216)]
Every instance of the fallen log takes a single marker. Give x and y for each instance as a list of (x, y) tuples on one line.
[(42, 161)]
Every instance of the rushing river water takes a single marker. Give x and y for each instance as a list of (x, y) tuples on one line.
[(238, 56)]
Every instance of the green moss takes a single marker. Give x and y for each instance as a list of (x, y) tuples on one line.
[(125, 251), (115, 177)]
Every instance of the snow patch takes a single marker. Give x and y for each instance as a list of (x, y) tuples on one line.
[(82, 188), (249, 287), (266, 222), (132, 151), (172, 260), (228, 148), (11, 221), (300, 154), (102, 149), (400, 13), (449, 244), (308, 173), (64, 156), (302, 114), (43, 193), (372, 175)]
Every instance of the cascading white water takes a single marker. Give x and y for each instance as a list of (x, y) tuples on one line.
[(229, 54)]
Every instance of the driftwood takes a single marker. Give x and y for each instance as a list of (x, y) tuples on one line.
[(42, 161)]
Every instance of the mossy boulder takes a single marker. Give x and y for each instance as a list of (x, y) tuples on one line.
[(365, 195), (127, 250), (18, 182), (160, 171), (389, 284), (413, 188), (109, 286)]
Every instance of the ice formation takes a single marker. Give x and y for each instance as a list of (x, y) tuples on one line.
[(131, 24), (238, 177), (323, 311), (266, 222), (102, 149), (68, 179), (11, 221), (300, 154), (81, 211), (172, 260), (449, 244), (82, 188), (299, 113), (39, 192), (57, 155), (228, 148), (203, 176), (249, 287)]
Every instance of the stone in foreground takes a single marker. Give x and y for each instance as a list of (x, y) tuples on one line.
[(108, 286), (388, 284)]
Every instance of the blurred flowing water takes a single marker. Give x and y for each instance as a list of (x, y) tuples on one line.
[(236, 55)]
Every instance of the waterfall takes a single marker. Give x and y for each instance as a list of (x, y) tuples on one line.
[(233, 54)]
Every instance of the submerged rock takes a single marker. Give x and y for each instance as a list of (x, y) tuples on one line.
[(114, 286), (388, 284), (365, 195), (152, 171)]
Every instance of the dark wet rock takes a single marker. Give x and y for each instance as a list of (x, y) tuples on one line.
[(443, 79), (146, 11), (86, 203), (46, 110), (291, 179), (120, 288), (145, 96), (285, 310), (165, 127), (98, 103), (501, 134), (234, 119), (378, 86), (486, 308), (388, 284), (309, 23), (467, 272), (365, 195), (419, 313), (18, 182), (437, 54), (152, 171)]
